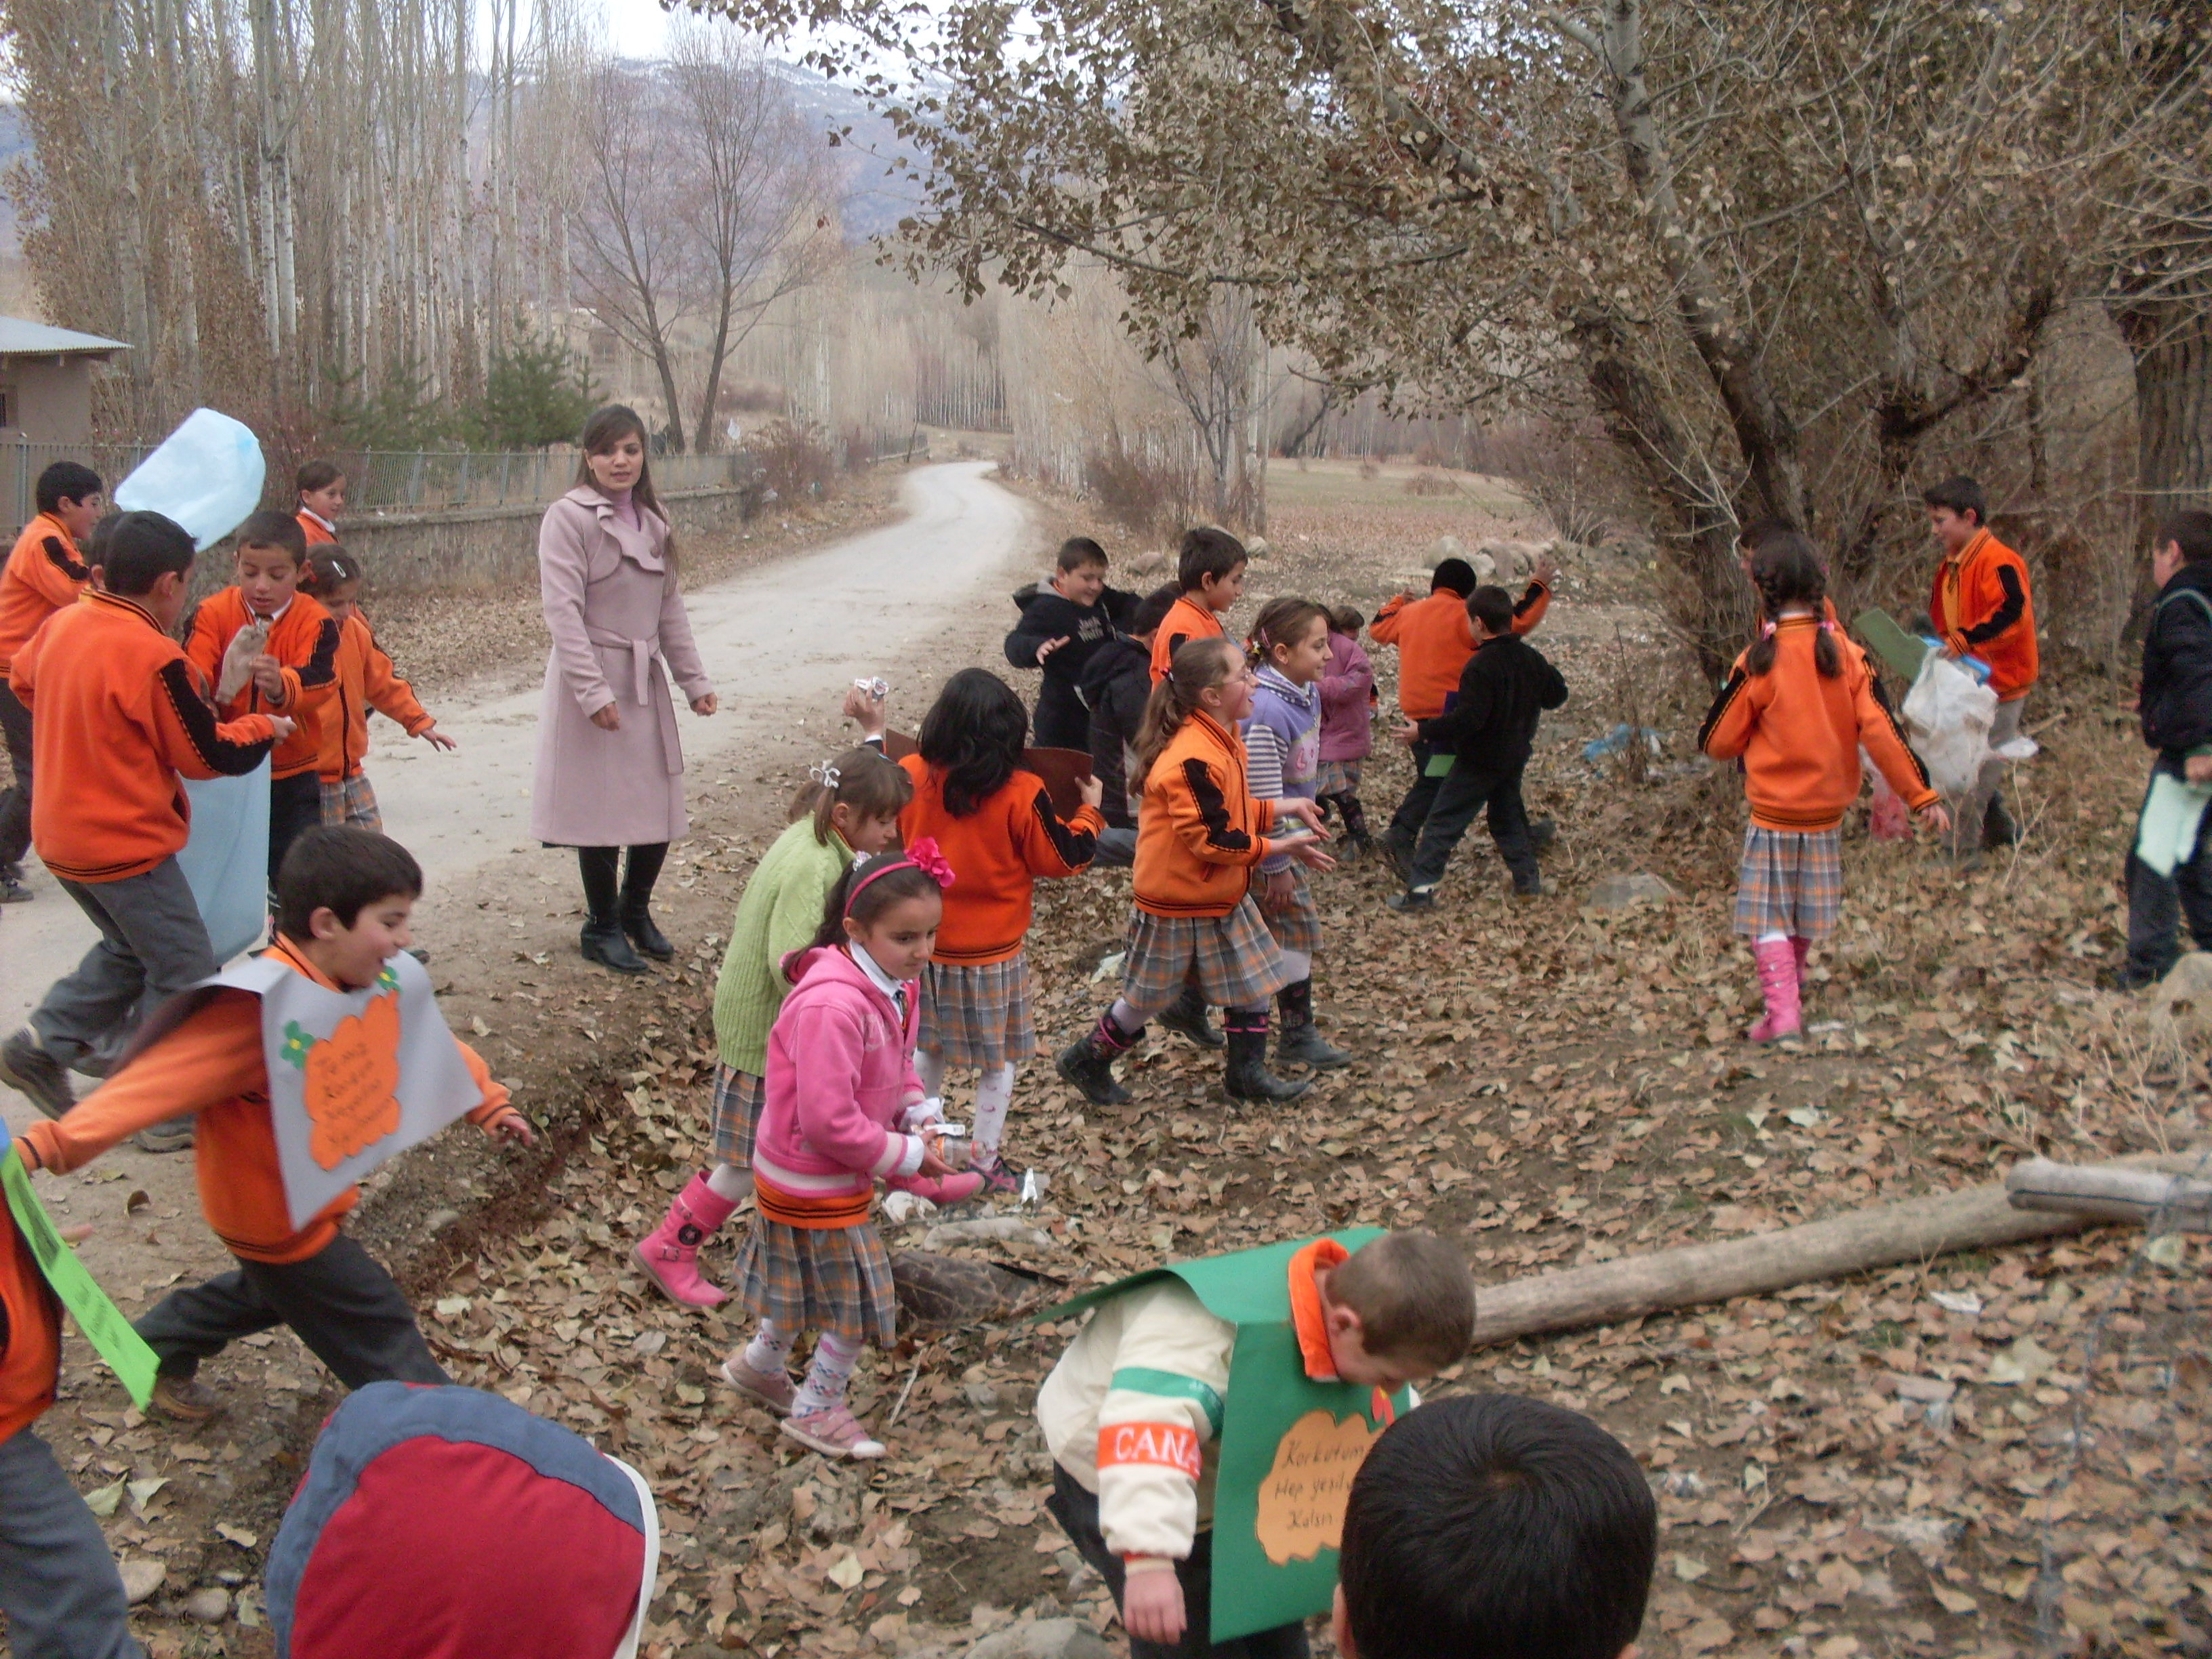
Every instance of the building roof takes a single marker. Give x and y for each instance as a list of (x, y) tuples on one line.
[(21, 337)]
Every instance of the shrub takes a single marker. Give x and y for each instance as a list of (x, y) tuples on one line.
[(796, 459)]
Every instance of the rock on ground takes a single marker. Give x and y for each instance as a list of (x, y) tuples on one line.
[(1624, 892), (2181, 1008), (1049, 1638), (141, 1578)]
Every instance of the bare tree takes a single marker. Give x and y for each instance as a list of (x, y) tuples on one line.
[(1215, 371)]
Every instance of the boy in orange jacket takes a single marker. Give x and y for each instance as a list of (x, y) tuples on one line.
[(118, 714), (1982, 608), (344, 897), (44, 573), (1210, 571), (264, 645), (365, 680)]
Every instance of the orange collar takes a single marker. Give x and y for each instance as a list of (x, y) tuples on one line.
[(100, 596), (293, 956), (1308, 1318)]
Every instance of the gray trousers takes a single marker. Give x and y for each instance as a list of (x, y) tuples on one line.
[(1117, 848), (340, 1301), (59, 1589), (1970, 815), (15, 803), (152, 945)]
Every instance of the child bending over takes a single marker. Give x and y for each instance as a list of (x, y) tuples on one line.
[(1796, 708), (996, 826)]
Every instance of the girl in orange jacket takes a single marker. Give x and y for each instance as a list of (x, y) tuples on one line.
[(365, 680), (1200, 834), (1796, 708)]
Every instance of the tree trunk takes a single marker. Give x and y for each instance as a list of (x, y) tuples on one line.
[(2172, 341)]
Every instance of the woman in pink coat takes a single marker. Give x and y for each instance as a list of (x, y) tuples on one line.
[(609, 767)]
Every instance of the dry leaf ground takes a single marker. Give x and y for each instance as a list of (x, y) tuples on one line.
[(1851, 1467)]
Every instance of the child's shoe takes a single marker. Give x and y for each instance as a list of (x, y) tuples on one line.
[(185, 1400), (1801, 949), (670, 1253), (1413, 901), (1088, 1063), (1300, 1041), (1187, 1014), (999, 1180), (940, 1190), (1247, 1077), (27, 1068), (833, 1432), (773, 1391), (1778, 982)]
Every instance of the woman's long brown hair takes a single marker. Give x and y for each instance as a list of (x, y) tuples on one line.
[(606, 429)]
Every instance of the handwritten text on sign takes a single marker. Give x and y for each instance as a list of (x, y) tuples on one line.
[(1302, 1500)]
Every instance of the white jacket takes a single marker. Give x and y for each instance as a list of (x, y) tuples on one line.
[(1140, 1391)]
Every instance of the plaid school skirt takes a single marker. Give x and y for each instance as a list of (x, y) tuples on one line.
[(1297, 926), (1234, 959), (351, 801), (1791, 882), (977, 1016), (819, 1278), (1337, 778), (739, 1098)]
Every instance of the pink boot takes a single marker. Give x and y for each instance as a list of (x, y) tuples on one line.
[(1778, 982), (939, 1190), (1800, 948), (670, 1253)]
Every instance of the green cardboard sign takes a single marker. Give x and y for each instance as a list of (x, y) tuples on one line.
[(1899, 652), (99, 1319)]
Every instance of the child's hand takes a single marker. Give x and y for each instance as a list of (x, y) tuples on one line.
[(1152, 1607), (1306, 811), (1051, 646), (1936, 817), (1311, 856), (1407, 733), (514, 1127), (607, 719), (284, 726), (1093, 792), (869, 710), (705, 704), (435, 739), (2198, 768), (1545, 573), (1281, 885), (932, 1165), (268, 675)]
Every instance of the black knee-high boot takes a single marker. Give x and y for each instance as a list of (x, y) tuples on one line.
[(639, 874), (602, 941)]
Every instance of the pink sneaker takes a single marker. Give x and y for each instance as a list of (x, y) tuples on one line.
[(999, 1181), (773, 1391), (833, 1433)]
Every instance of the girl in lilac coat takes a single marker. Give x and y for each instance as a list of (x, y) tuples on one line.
[(843, 1109), (1347, 724)]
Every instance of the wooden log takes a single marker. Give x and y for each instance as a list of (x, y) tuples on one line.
[(2098, 1192), (1915, 1229)]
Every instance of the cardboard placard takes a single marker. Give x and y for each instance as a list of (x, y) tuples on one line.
[(1064, 771)]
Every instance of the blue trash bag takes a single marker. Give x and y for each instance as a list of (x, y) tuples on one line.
[(207, 476), (225, 860)]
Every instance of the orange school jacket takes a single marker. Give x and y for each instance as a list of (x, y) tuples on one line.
[(996, 852), (1983, 608), (30, 1332), (318, 533), (1186, 619), (305, 641), (213, 1065), (1199, 830), (365, 680), (1799, 734), (116, 713), (42, 575), (1434, 642)]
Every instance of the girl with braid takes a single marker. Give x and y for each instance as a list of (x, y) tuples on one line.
[(1796, 709)]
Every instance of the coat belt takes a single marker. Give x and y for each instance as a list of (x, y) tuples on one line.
[(641, 655)]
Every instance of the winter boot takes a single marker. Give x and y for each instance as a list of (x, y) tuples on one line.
[(1300, 1041), (1187, 1014), (640, 872), (1088, 1063), (1247, 1077), (602, 940), (1801, 949), (1356, 833), (670, 1253), (1998, 828), (1778, 982)]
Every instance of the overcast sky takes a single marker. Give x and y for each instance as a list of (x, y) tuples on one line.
[(636, 28)]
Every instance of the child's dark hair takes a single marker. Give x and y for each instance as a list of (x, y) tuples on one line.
[(1493, 608), (1283, 622), (1962, 495), (604, 428), (134, 551), (1786, 571), (1452, 576), (906, 882), (1207, 552), (65, 481), (1077, 551), (1498, 1528), (1343, 619), (2191, 530), (317, 474), (973, 733), (341, 869), (1198, 664), (1414, 1297), (1756, 534), (1153, 609), (281, 531), (330, 567), (872, 786)]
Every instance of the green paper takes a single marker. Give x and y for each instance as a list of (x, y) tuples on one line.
[(1439, 766), (99, 1319), (1900, 653)]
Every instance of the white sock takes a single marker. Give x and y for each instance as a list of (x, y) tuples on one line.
[(728, 1182), (1298, 964), (770, 1351), (930, 1068), (1771, 939), (994, 1095), (835, 1357)]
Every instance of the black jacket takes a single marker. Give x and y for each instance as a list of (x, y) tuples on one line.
[(1060, 721), (1492, 720), (2176, 666), (1117, 682)]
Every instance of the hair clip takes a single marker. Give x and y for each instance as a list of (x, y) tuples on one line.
[(879, 687), (1766, 630), (923, 855), (824, 774)]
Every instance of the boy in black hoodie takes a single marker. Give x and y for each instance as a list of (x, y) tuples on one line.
[(1062, 627), (1489, 728), (2176, 706)]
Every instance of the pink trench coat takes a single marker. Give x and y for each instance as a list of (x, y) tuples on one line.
[(616, 617)]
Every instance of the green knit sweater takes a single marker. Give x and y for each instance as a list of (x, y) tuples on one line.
[(780, 913)]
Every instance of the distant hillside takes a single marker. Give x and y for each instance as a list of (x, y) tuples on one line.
[(873, 204)]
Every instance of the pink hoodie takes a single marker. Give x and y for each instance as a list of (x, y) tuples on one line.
[(1346, 685), (839, 1076)]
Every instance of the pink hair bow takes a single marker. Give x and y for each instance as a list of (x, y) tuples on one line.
[(926, 857)]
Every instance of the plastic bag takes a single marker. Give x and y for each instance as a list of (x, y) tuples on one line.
[(207, 476), (1887, 818), (1948, 715), (226, 860)]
